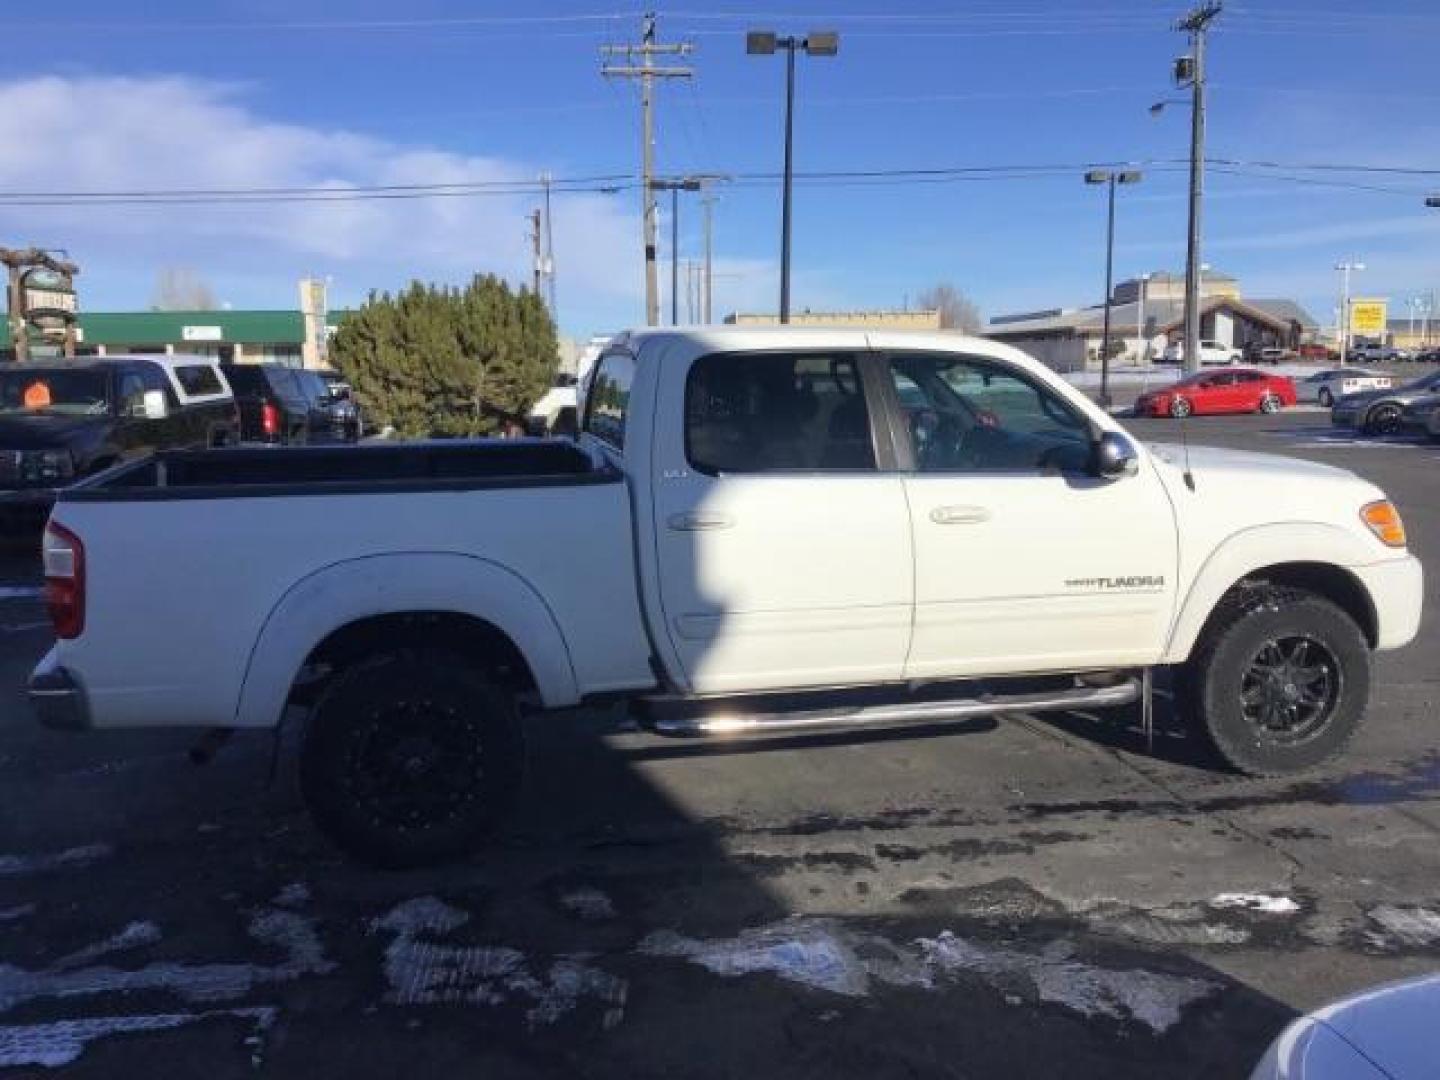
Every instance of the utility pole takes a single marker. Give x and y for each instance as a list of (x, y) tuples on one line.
[(647, 72), (1192, 67), (1342, 324), (534, 219), (707, 311), (546, 180)]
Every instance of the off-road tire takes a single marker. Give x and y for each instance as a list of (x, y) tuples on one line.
[(1209, 685), (411, 758)]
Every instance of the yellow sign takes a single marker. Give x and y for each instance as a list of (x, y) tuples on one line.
[(1367, 316)]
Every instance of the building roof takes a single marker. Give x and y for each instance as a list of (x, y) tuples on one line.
[(258, 327), (1162, 314)]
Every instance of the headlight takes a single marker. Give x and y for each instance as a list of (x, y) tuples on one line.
[(46, 466)]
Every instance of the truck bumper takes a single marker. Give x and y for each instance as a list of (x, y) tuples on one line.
[(1397, 589), (57, 697)]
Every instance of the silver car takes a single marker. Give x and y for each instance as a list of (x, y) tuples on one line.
[(1382, 412)]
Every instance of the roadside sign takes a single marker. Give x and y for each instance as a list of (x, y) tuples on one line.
[(1367, 317), (202, 333)]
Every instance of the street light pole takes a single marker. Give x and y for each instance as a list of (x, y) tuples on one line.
[(1342, 324), (1142, 350), (675, 256), (765, 43), (1193, 69), (1110, 179)]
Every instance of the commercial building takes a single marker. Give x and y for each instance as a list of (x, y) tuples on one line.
[(1147, 313), (908, 319)]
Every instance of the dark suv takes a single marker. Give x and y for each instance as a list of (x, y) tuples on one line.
[(60, 420), (282, 405)]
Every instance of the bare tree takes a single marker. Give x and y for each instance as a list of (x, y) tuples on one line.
[(178, 288), (957, 311)]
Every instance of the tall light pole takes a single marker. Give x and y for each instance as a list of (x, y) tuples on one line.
[(1109, 179), (1342, 328), (707, 313), (1190, 71), (765, 43), (1142, 346)]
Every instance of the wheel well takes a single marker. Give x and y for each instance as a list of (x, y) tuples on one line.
[(1334, 583), (475, 639)]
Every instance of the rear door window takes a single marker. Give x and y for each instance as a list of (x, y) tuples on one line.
[(198, 380), (777, 412), (608, 403)]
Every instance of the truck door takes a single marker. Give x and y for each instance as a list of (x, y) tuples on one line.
[(783, 550), (1024, 562)]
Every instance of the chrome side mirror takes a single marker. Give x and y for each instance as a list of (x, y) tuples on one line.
[(1115, 456)]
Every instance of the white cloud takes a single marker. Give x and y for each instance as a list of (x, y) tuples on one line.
[(135, 134)]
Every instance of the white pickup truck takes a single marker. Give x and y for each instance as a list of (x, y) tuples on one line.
[(758, 530)]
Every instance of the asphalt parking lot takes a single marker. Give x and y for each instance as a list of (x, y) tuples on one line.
[(1017, 898)]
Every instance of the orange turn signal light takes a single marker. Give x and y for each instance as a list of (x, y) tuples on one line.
[(1384, 521)]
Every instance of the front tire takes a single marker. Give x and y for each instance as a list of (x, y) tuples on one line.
[(411, 758), (1180, 408), (1269, 404), (1278, 683), (1327, 399)]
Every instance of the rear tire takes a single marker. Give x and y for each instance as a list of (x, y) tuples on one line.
[(1270, 404), (1327, 399), (1384, 420), (1278, 683), (411, 758)]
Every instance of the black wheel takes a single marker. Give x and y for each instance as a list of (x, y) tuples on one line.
[(1278, 682), (1384, 420), (1326, 397), (1269, 404), (1180, 407), (411, 758)]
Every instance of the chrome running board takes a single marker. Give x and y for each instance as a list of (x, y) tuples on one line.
[(760, 723)]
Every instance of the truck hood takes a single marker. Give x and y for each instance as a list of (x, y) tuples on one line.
[(47, 431), (1240, 465)]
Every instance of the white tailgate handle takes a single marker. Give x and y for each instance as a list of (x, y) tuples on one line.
[(700, 519), (959, 515)]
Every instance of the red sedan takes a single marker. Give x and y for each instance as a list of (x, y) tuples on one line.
[(1225, 390)]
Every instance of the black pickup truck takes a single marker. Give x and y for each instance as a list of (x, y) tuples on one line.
[(63, 420)]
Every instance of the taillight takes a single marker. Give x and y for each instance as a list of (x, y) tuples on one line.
[(269, 418), (64, 558)]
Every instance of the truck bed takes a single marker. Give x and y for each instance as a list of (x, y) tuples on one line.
[(250, 472)]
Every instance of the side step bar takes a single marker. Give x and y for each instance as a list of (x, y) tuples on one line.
[(758, 723)]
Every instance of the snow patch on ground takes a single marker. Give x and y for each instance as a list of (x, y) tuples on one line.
[(296, 894), (60, 1042), (13, 865), (823, 955), (1263, 903), (133, 936), (1404, 925), (294, 935), (589, 903), (423, 971)]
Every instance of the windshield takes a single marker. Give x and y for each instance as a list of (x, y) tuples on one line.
[(83, 392)]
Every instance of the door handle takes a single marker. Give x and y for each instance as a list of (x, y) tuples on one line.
[(959, 515), (696, 520)]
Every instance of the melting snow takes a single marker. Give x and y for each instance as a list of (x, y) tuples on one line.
[(1264, 903), (62, 1041), (589, 903), (11, 865), (820, 954), (285, 930), (421, 971), (133, 936), (1412, 926)]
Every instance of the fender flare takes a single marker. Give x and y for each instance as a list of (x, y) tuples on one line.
[(1249, 550), (344, 592)]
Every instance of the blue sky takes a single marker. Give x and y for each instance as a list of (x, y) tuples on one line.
[(167, 95)]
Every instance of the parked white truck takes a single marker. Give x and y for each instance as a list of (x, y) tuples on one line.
[(758, 530)]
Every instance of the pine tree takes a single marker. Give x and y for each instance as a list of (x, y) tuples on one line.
[(441, 361)]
